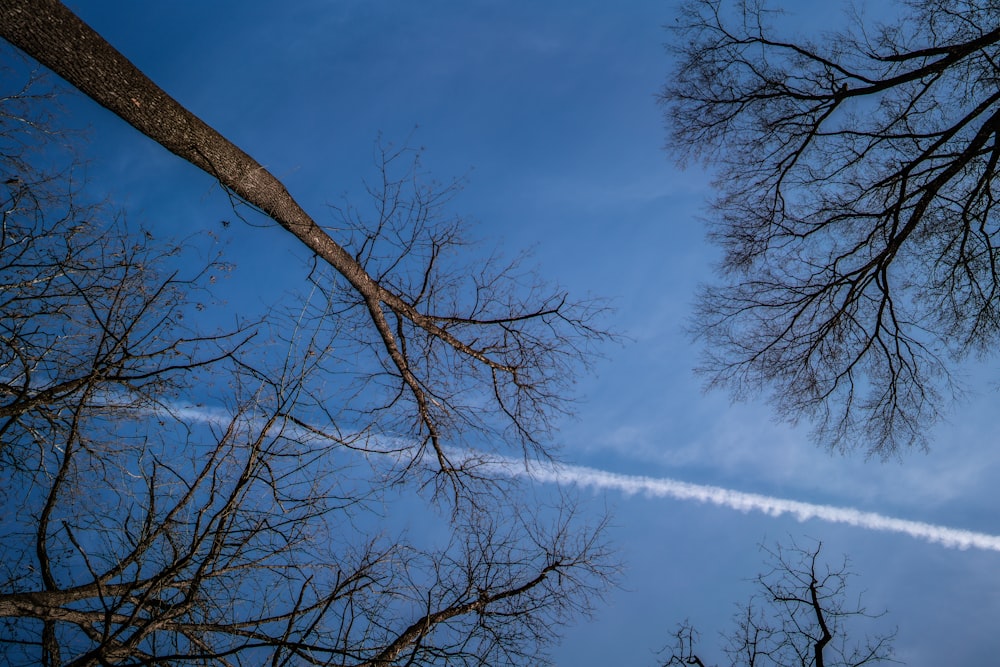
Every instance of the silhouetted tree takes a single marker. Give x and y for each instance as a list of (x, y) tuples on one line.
[(138, 528), (800, 617), (510, 347), (856, 207)]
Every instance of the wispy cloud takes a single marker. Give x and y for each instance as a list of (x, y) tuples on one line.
[(747, 502), (660, 487)]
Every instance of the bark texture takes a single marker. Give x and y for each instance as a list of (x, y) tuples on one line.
[(51, 34), (516, 347)]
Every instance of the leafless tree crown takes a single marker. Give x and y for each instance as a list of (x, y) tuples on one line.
[(513, 345), (140, 528), (855, 207), (800, 616)]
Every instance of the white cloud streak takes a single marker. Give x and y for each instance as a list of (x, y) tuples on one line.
[(954, 538), (661, 487)]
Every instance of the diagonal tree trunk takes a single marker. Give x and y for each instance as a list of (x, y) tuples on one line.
[(522, 367), (50, 33)]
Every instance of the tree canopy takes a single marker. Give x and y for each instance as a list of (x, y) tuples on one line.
[(513, 349), (800, 614), (855, 174), (143, 527)]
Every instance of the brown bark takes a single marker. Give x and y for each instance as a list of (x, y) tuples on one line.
[(49, 32)]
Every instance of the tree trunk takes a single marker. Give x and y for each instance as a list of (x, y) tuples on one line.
[(49, 32)]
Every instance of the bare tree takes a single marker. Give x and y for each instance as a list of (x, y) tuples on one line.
[(246, 550), (88, 309), (139, 529), (407, 240), (855, 175), (508, 335), (685, 638), (801, 616)]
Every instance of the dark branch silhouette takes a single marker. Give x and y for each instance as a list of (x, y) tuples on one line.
[(800, 616), (504, 333), (139, 529), (856, 209)]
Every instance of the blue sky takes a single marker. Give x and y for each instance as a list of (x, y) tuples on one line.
[(549, 108)]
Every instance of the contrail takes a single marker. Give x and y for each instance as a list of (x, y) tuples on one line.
[(661, 487), (955, 538)]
